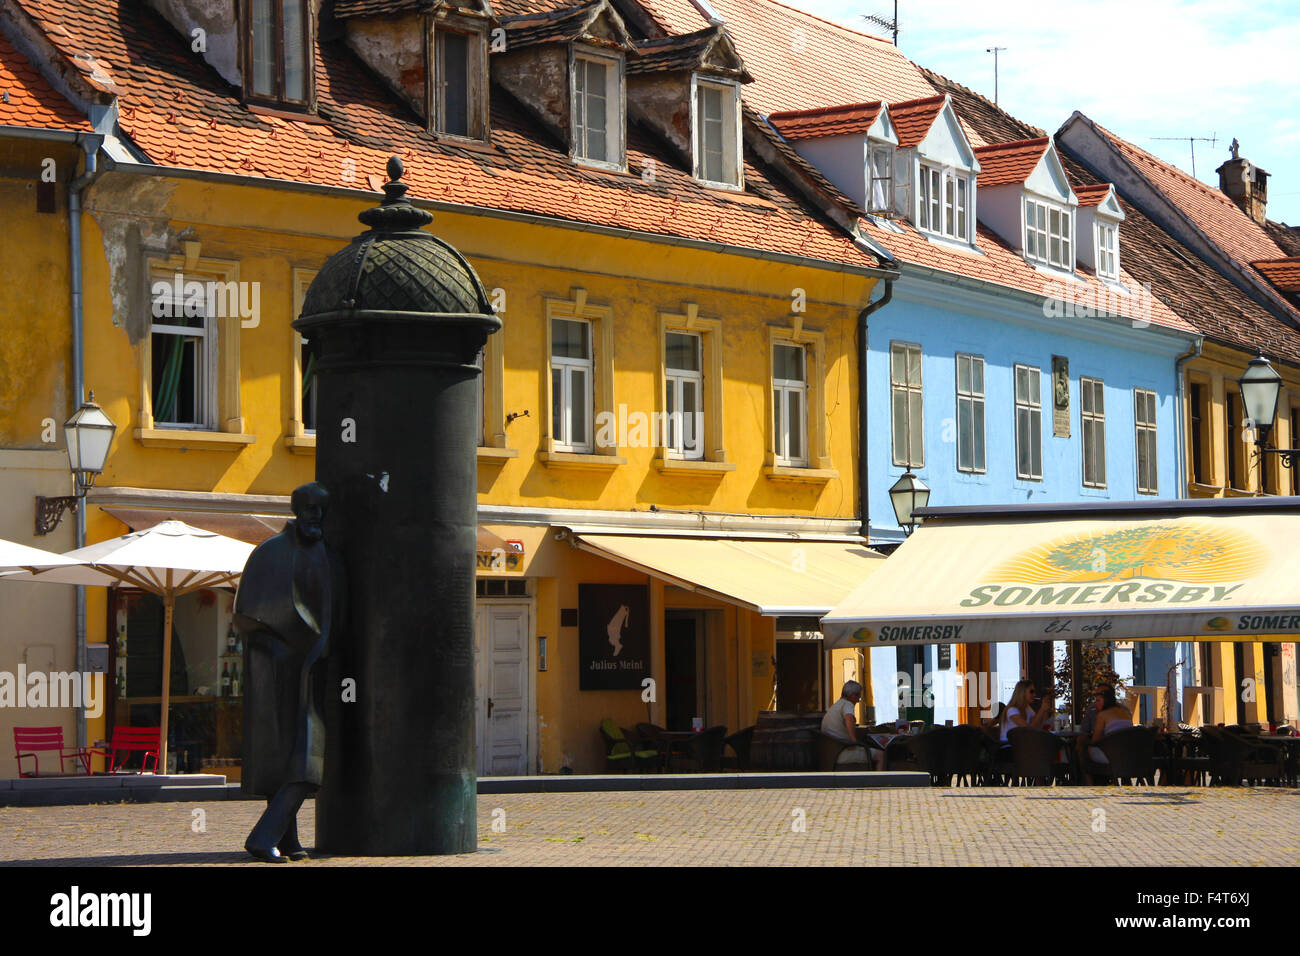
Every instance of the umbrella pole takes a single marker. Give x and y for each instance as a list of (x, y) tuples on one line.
[(169, 601)]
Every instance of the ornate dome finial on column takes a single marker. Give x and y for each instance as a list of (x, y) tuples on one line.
[(395, 213)]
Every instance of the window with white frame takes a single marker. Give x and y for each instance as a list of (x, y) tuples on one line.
[(1092, 405), (307, 358), (1047, 234), (182, 344), (1029, 422), (1144, 417), (1107, 251), (905, 404), (684, 380), (717, 143), (790, 404), (970, 413), (571, 385), (882, 179), (597, 110), (943, 202)]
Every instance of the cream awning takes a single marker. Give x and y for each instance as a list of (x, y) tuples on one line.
[(1216, 570), (791, 576)]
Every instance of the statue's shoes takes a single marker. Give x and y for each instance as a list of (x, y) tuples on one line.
[(265, 854), (294, 852)]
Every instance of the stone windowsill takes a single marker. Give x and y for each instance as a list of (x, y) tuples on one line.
[(693, 467), (817, 476), (186, 438), (1198, 490), (488, 455), (304, 444), (580, 462)]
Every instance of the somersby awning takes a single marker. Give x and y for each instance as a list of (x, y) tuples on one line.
[(785, 577), (1218, 569)]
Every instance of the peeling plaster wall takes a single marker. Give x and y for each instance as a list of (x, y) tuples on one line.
[(663, 102), (131, 214), (538, 77), (393, 48), (216, 18)]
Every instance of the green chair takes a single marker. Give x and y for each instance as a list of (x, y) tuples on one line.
[(623, 752)]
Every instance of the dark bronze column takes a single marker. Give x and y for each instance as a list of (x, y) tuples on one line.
[(396, 320)]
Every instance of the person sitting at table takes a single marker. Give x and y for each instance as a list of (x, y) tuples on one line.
[(1111, 716), (839, 722), (1020, 710)]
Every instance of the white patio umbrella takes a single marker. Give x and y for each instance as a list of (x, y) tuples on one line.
[(19, 557), (169, 559)]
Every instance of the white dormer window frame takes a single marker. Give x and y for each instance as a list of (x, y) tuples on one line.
[(602, 145), (1107, 233), (880, 178), (943, 201), (720, 167), (1048, 237)]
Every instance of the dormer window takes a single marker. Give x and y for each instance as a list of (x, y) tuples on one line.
[(1048, 234), (1107, 251), (598, 110), (458, 98), (882, 180), (277, 51), (717, 133), (943, 195)]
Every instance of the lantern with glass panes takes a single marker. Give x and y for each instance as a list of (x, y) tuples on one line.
[(89, 433), (909, 494), (1260, 386)]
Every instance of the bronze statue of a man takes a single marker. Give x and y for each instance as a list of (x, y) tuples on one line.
[(289, 604)]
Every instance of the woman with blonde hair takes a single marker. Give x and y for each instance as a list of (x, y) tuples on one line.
[(1020, 710)]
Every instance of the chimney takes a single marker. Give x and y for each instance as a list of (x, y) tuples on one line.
[(1245, 184)]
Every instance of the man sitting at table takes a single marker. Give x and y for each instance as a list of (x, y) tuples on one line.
[(840, 723)]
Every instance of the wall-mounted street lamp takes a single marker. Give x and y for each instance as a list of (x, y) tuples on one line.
[(89, 433), (908, 495), (1260, 386)]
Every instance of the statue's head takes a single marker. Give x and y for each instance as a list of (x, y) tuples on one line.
[(309, 502)]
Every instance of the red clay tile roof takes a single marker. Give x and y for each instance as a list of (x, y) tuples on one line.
[(27, 99), (913, 119), (521, 8), (1284, 274), (372, 8), (1221, 219), (555, 26), (801, 61), (688, 51), (825, 121), (1004, 163), (1091, 194), (180, 113)]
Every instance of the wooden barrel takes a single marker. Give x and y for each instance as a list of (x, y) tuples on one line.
[(785, 742)]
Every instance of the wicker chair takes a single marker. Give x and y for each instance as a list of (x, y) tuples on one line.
[(971, 756), (933, 752), (1235, 757), (702, 753), (740, 743), (623, 751), (1033, 755), (1131, 754)]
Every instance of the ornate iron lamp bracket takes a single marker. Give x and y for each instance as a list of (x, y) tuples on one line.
[(49, 511)]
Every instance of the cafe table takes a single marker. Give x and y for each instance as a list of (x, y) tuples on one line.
[(667, 739)]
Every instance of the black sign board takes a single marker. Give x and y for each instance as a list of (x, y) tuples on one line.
[(613, 636)]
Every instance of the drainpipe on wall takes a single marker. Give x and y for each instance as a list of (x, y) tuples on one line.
[(1181, 441), (864, 517), (90, 143)]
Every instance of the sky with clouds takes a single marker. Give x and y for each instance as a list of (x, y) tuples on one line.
[(1140, 68)]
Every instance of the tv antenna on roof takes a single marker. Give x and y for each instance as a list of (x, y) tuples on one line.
[(995, 50), (1191, 142), (890, 25)]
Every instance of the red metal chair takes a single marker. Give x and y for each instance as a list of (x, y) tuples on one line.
[(28, 741), (133, 739)]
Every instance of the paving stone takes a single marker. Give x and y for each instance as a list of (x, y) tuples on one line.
[(947, 827)]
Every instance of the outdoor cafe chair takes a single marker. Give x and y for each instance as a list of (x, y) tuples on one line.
[(1034, 755), (1236, 757), (740, 743), (29, 742), (970, 756), (932, 752), (128, 740), (623, 752), (1131, 755), (703, 751)]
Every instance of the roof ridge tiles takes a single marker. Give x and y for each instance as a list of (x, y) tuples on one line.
[(830, 23)]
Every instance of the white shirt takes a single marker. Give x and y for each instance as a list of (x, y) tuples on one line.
[(1007, 725), (833, 722)]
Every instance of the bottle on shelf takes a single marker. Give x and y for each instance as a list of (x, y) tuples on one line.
[(225, 679), (235, 680), (230, 640)]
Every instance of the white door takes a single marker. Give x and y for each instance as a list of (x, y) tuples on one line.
[(501, 696)]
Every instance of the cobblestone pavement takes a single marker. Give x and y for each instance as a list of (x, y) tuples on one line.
[(1038, 826)]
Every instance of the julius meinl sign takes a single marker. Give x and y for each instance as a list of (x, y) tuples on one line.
[(613, 636)]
